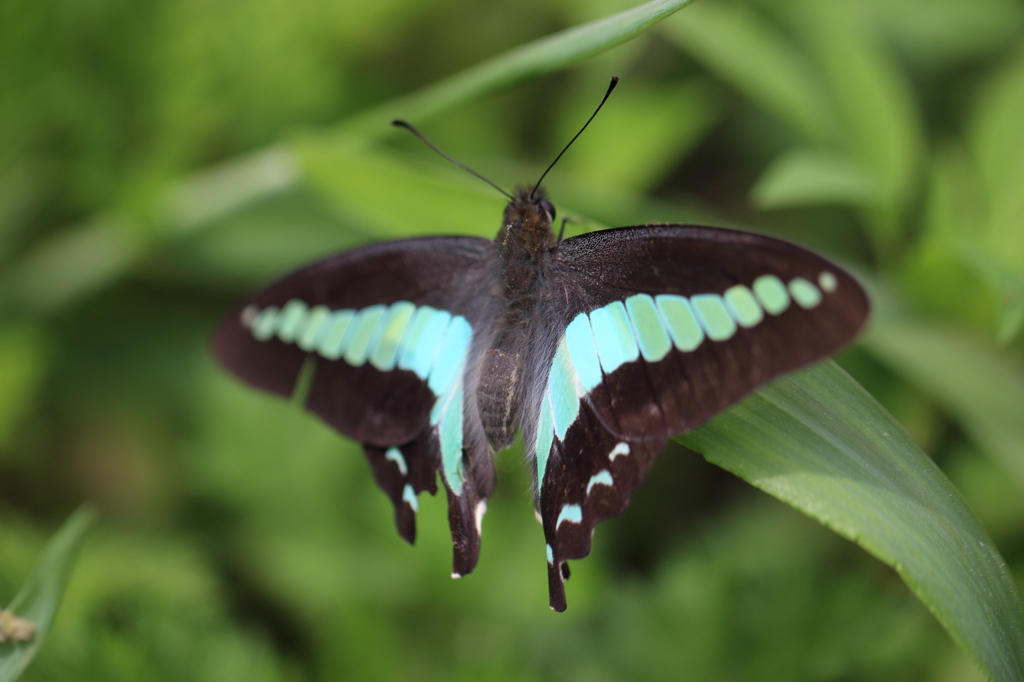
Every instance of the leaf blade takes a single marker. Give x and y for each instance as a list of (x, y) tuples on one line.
[(39, 597), (848, 464)]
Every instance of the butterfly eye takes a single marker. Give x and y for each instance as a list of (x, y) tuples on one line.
[(547, 206)]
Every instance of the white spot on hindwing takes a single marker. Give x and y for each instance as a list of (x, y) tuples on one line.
[(409, 495), (620, 449), (249, 315), (571, 513), (481, 509), (395, 455), (603, 477)]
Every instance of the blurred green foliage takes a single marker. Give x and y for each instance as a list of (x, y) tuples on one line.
[(158, 159)]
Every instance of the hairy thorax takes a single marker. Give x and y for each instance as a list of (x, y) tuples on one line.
[(523, 244)]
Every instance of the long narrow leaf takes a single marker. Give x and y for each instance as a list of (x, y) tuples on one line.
[(537, 58), (982, 388), (38, 599), (820, 443)]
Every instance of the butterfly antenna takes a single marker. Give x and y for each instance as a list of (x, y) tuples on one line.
[(423, 138), (611, 86)]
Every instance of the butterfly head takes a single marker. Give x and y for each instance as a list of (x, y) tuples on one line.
[(526, 228)]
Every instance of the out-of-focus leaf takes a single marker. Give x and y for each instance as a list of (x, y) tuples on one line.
[(22, 366), (880, 125), (982, 388), (937, 33), (1006, 283), (743, 48), (364, 183), (72, 264), (38, 599), (537, 58), (956, 222), (805, 177), (820, 443), (997, 141), (218, 191), (939, 283), (645, 131)]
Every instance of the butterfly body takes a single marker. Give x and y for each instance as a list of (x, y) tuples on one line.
[(435, 352)]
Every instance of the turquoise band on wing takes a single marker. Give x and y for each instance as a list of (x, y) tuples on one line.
[(597, 343), (431, 343)]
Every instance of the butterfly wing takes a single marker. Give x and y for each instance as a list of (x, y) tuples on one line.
[(388, 330), (658, 328)]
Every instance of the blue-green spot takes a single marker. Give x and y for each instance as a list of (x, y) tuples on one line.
[(551, 555), (771, 293), (804, 293), (292, 320), (395, 455), (365, 326), (603, 477), (545, 435), (713, 317), (385, 355), (409, 495), (580, 339), (335, 340), (571, 513), (452, 354), (650, 331), (565, 403), (265, 323), (450, 434), (318, 315), (680, 321), (421, 346), (614, 336), (743, 306), (828, 282)]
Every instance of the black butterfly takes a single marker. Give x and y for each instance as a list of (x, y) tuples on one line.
[(434, 352)]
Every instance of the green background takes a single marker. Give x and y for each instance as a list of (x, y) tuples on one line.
[(160, 159)]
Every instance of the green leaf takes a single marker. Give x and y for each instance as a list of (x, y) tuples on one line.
[(981, 388), (540, 57), (806, 177), (817, 441), (363, 182), (881, 126), (22, 368), (673, 121), (880, 119), (1005, 282), (940, 33), (38, 599), (745, 50)]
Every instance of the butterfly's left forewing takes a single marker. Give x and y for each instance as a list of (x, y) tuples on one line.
[(388, 330), (653, 330)]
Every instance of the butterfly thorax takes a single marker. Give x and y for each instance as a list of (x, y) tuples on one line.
[(523, 243)]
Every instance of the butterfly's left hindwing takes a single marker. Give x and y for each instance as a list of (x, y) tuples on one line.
[(388, 329), (651, 331)]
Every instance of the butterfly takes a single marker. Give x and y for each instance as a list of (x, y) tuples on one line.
[(434, 352)]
